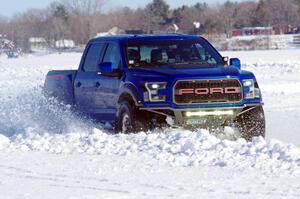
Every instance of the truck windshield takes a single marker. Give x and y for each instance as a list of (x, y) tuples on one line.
[(179, 53)]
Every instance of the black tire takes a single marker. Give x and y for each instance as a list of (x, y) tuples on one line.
[(129, 119), (252, 123)]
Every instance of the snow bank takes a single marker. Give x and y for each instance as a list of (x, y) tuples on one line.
[(261, 42), (172, 147), (4, 142)]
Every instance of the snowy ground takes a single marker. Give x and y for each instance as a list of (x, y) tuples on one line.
[(48, 152)]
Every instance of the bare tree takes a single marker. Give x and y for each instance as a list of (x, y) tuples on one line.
[(82, 17), (283, 12), (84, 6), (246, 14), (4, 28), (32, 23), (227, 14), (125, 18)]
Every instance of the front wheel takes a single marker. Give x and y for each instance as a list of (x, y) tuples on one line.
[(129, 120), (252, 123)]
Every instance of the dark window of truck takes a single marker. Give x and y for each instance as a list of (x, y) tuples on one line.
[(112, 55), (93, 56), (178, 53)]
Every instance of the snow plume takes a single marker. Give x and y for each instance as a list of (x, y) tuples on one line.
[(24, 108), (32, 112)]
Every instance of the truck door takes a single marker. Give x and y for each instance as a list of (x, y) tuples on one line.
[(106, 95), (84, 83)]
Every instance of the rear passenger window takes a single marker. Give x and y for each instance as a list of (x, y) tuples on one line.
[(113, 55), (92, 57)]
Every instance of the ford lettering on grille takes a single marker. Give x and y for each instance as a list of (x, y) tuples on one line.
[(207, 91)]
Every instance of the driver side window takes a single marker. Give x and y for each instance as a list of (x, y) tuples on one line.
[(92, 58), (112, 55)]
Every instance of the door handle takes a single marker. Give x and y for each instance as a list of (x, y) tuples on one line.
[(78, 84), (97, 85)]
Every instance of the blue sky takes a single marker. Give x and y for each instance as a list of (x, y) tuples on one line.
[(11, 7)]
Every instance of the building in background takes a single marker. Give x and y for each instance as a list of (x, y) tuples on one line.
[(38, 44), (253, 31)]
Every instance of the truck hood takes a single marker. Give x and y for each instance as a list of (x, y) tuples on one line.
[(164, 71)]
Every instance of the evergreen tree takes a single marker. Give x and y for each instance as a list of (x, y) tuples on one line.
[(59, 15), (156, 14)]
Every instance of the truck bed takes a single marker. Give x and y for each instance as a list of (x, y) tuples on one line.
[(59, 84)]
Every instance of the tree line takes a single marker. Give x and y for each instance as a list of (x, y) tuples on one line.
[(80, 20)]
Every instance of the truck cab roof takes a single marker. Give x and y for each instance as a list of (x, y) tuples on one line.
[(145, 37)]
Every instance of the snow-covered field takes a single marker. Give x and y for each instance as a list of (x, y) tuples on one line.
[(49, 152)]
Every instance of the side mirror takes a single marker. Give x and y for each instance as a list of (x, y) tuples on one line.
[(235, 62), (106, 67)]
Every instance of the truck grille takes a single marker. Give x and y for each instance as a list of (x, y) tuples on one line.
[(206, 91)]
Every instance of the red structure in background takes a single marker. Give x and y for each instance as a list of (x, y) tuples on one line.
[(236, 32), (286, 29), (253, 31), (275, 30)]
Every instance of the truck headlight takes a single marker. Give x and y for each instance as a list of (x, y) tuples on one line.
[(250, 90), (153, 89)]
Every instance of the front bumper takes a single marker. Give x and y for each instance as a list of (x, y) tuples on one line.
[(201, 116)]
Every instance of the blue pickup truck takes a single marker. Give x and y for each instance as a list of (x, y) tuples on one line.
[(139, 82)]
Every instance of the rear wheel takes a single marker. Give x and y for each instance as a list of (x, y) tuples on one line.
[(251, 123)]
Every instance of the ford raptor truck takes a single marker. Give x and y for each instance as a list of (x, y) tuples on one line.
[(139, 82)]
